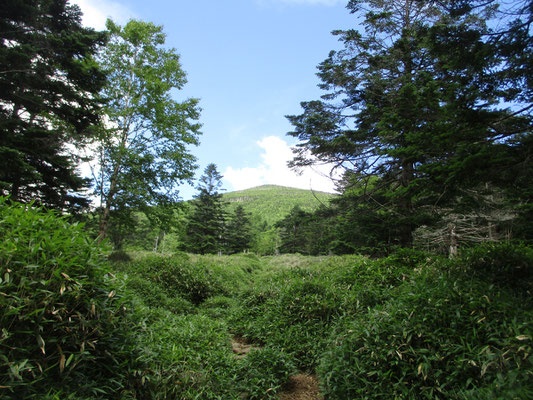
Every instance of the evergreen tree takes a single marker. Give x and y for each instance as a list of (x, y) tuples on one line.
[(206, 224), (238, 231), (294, 231), (399, 111), (48, 98)]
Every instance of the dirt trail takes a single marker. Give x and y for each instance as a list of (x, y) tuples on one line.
[(240, 347), (302, 387)]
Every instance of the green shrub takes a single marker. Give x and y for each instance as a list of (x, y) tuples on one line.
[(154, 296), (64, 327), (189, 357), (218, 306), (442, 336), (406, 257), (119, 256), (295, 306), (264, 372), (504, 264), (176, 276)]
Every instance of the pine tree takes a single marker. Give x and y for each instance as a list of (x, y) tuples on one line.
[(238, 231), (410, 104), (293, 231), (49, 84), (206, 224)]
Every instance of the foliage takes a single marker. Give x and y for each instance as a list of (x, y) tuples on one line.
[(49, 83), (294, 307), (189, 357), (293, 233), (503, 264), (264, 372), (65, 329), (441, 336), (411, 325), (206, 223), (142, 152), (187, 351), (158, 279), (238, 231), (414, 111), (266, 241)]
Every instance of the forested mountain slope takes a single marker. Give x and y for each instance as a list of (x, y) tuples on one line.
[(272, 203)]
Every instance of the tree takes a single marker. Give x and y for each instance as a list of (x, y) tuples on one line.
[(49, 84), (238, 231), (399, 111), (506, 75), (293, 231), (143, 150), (205, 228)]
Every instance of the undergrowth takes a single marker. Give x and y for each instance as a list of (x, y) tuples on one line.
[(152, 326)]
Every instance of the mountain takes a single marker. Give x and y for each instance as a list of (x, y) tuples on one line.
[(272, 203)]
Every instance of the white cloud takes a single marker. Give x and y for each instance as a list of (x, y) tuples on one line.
[(274, 170), (96, 12)]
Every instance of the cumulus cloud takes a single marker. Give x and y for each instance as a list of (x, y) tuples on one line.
[(273, 170), (96, 12)]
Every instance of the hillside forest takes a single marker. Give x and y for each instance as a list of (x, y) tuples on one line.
[(413, 281)]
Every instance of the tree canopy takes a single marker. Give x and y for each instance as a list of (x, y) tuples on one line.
[(49, 84), (143, 151), (412, 105)]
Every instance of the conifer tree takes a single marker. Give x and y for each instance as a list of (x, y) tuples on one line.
[(238, 231), (400, 112), (206, 224), (49, 84), (294, 231)]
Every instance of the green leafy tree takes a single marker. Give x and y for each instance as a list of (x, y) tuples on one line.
[(206, 225), (143, 151), (49, 83), (238, 231)]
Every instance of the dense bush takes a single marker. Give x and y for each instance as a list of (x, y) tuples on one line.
[(504, 264), (441, 336), (296, 301), (64, 327), (406, 326), (189, 357), (194, 279), (264, 372)]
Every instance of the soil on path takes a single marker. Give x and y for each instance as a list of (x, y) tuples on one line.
[(240, 347), (302, 387)]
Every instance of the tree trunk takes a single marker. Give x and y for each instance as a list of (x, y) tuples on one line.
[(106, 214), (453, 242)]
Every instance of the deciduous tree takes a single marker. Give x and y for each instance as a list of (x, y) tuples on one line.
[(143, 150)]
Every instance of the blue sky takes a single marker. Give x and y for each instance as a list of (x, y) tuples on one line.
[(250, 62)]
